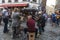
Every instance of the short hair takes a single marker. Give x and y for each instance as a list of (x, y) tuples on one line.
[(29, 16), (16, 10)]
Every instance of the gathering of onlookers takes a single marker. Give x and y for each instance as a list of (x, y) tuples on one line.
[(14, 19)]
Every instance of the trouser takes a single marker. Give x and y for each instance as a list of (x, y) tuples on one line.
[(41, 29), (14, 32), (5, 20), (0, 19), (36, 32), (57, 21), (26, 30)]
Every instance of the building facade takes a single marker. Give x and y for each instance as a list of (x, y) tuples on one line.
[(43, 5), (4, 3), (17, 1), (32, 3), (57, 4)]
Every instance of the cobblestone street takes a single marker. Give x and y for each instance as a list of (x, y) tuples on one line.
[(29, 19), (51, 33)]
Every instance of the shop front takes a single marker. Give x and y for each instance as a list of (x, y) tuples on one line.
[(15, 5)]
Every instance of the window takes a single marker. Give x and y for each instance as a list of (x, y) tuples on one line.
[(9, 0), (29, 0), (16, 0), (34, 0), (24, 0), (3, 1)]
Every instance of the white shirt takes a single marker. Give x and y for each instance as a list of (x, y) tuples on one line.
[(5, 12)]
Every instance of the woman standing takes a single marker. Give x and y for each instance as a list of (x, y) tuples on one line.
[(15, 22)]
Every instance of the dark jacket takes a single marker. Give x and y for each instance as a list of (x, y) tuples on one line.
[(15, 19), (41, 21), (31, 25)]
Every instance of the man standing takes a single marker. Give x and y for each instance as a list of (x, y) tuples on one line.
[(30, 24), (5, 19), (53, 19), (41, 22), (16, 22), (31, 27)]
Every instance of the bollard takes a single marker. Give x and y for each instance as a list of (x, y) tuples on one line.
[(32, 36)]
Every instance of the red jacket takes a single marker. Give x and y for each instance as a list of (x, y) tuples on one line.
[(31, 25)]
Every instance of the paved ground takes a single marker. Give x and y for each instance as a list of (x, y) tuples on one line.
[(51, 33)]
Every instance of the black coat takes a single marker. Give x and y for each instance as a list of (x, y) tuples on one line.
[(41, 21)]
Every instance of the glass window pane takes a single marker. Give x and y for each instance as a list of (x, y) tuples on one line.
[(16, 0), (9, 0), (3, 1), (24, 0), (28, 0), (34, 0)]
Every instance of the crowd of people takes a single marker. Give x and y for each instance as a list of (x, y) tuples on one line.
[(13, 18)]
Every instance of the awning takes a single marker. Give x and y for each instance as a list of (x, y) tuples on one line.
[(13, 5)]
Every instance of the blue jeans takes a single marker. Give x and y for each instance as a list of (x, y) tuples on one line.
[(58, 21), (5, 20)]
